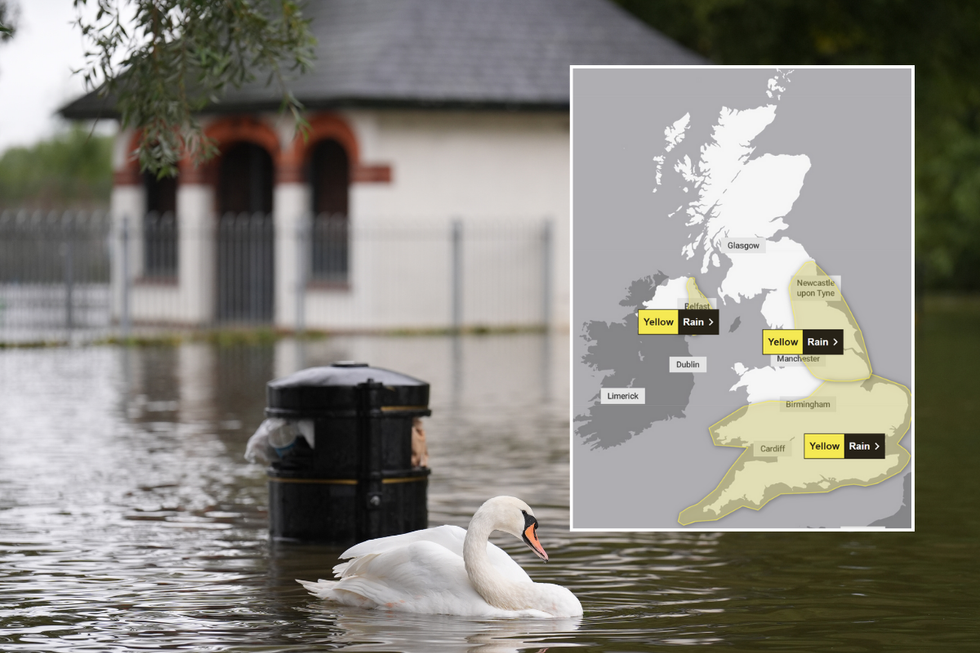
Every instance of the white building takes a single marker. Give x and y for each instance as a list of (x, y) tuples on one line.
[(421, 112)]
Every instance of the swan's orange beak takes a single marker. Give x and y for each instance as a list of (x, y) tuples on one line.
[(531, 537)]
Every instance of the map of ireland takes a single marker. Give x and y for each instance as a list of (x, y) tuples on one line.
[(742, 298)]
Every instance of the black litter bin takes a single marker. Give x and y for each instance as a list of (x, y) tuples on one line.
[(350, 477)]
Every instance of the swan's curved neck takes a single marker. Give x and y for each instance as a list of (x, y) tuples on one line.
[(497, 590)]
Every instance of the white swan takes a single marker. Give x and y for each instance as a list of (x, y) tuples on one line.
[(448, 570)]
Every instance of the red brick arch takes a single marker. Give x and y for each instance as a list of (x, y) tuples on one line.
[(322, 127), (225, 132), (332, 126), (288, 161)]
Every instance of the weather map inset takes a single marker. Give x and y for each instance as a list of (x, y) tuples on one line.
[(742, 298)]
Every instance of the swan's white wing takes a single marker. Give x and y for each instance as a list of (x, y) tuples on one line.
[(420, 576), (449, 537)]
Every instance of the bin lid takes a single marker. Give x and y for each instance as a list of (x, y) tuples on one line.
[(333, 389)]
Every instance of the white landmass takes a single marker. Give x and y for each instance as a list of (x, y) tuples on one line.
[(766, 383), (753, 274), (673, 135)]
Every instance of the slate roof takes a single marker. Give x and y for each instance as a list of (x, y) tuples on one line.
[(510, 54)]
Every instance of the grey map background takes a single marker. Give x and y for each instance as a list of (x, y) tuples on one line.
[(853, 217)]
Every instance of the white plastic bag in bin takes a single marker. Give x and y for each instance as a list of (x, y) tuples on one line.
[(275, 437)]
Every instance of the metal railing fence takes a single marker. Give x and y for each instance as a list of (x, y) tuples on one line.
[(54, 274), (76, 275)]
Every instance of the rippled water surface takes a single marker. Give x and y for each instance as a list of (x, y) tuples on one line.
[(129, 519)]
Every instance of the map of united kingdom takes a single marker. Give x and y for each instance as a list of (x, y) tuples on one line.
[(785, 378)]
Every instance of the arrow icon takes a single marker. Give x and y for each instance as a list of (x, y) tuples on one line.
[(877, 446), (835, 342)]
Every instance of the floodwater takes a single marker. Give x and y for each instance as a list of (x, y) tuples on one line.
[(129, 519)]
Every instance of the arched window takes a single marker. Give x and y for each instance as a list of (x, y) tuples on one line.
[(329, 175), (160, 227), (246, 247), (245, 180)]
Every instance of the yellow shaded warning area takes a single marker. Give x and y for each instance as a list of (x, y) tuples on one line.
[(695, 298), (660, 320), (782, 341), (874, 405), (818, 304)]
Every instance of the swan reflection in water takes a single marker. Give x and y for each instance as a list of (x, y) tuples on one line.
[(448, 570), (371, 630)]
